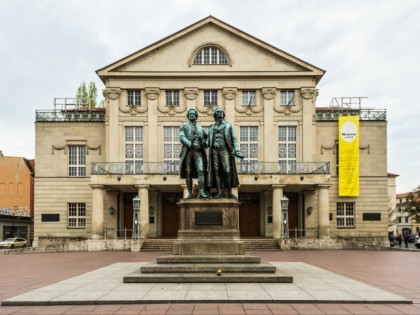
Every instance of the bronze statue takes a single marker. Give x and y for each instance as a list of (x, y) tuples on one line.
[(223, 150), (193, 159)]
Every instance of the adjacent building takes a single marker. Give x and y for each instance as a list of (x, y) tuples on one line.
[(16, 197), (91, 163)]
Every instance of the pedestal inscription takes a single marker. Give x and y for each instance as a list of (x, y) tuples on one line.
[(209, 227)]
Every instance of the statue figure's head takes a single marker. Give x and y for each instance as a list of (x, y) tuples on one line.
[(192, 110), (219, 113)]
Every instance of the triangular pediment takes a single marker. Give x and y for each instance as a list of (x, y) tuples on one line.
[(174, 55)]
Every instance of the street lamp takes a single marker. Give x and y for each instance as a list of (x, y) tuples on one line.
[(136, 218), (285, 217)]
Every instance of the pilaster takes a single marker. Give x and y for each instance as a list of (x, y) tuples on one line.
[(277, 195), (323, 211), (97, 211), (143, 194)]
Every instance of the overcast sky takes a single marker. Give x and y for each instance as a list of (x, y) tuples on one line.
[(368, 48)]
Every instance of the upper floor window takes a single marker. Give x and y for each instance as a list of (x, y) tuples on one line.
[(77, 160), (210, 97), (134, 149), (287, 98), (287, 149), (172, 98), (210, 56), (249, 98), (171, 149), (345, 214), (133, 97), (249, 148)]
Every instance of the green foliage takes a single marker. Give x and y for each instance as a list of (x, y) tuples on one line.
[(87, 97), (413, 201)]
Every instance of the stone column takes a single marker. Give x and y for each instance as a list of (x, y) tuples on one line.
[(277, 195), (230, 95), (97, 211), (152, 124), (310, 219), (308, 125), (269, 142), (143, 194), (323, 212), (112, 96)]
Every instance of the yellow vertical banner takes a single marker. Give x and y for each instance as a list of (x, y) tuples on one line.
[(348, 141)]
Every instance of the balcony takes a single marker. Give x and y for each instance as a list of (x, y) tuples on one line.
[(323, 114), (172, 168), (71, 109)]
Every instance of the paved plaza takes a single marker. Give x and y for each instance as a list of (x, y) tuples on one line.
[(325, 282)]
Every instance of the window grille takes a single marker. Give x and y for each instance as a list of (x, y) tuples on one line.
[(172, 98), (77, 160), (134, 149), (210, 97), (133, 97), (287, 149), (249, 98), (210, 56), (345, 214), (287, 98), (76, 217)]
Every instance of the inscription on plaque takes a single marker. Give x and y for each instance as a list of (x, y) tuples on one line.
[(209, 218)]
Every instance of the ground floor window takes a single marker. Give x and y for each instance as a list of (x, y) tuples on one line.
[(345, 214), (76, 215)]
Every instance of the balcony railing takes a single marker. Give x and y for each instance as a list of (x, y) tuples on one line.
[(76, 115), (364, 114), (121, 168)]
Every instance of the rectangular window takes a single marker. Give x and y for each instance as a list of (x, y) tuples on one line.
[(133, 97), (206, 56), (134, 150), (172, 98), (76, 216), (345, 214), (171, 149), (287, 149), (249, 147), (210, 98), (77, 160), (287, 98), (249, 98)]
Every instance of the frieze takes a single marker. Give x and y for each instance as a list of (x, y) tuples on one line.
[(191, 93), (133, 109), (171, 109), (208, 109)]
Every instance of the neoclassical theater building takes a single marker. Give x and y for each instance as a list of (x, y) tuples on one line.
[(91, 162)]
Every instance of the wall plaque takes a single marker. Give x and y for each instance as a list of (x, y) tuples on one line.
[(209, 218), (368, 216), (50, 217)]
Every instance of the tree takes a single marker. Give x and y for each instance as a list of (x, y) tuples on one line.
[(412, 205), (82, 95), (93, 94)]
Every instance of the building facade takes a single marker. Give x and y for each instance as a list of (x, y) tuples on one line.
[(91, 163), (16, 197)]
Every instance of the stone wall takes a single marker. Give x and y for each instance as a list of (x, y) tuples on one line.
[(79, 245)]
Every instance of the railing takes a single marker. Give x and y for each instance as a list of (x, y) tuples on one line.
[(364, 114), (96, 114), (117, 234), (122, 168)]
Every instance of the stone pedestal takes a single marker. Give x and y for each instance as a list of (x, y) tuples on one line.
[(209, 227)]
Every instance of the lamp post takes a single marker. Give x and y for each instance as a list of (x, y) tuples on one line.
[(285, 217), (136, 218)]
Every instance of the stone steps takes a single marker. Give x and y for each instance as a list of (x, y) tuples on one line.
[(165, 244), (203, 268)]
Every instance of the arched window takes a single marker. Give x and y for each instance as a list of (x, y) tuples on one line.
[(210, 55)]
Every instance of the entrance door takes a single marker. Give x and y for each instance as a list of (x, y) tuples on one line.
[(249, 215), (170, 214), (128, 215)]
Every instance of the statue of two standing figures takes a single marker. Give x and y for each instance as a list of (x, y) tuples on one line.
[(218, 170)]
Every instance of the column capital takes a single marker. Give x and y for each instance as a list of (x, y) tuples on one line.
[(308, 92), (142, 186), (278, 186), (230, 93), (152, 93), (112, 93), (191, 93), (324, 186), (96, 186), (269, 92)]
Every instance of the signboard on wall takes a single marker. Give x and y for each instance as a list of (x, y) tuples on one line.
[(348, 135)]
